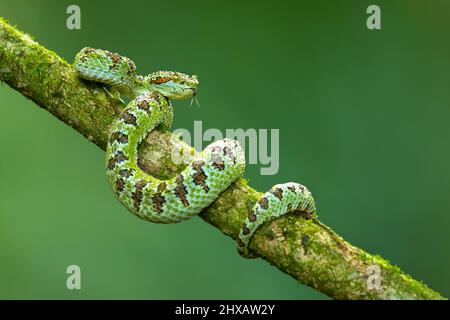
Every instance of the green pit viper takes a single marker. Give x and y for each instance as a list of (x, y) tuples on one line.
[(203, 180)]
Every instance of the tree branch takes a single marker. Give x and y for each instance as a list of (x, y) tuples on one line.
[(300, 246)]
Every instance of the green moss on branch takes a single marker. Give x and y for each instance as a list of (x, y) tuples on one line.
[(299, 246)]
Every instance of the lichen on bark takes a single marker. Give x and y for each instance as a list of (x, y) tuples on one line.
[(300, 246)]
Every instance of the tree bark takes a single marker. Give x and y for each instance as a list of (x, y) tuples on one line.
[(298, 245)]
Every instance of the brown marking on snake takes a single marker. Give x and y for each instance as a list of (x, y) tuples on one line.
[(289, 207), (129, 118), (118, 157), (218, 163), (277, 192), (120, 184), (126, 173), (199, 175), (158, 199), (263, 203), (252, 217), (111, 163), (115, 57), (132, 65), (227, 151), (119, 137), (305, 214), (240, 243), (143, 105), (245, 230), (88, 50), (155, 96), (292, 188), (181, 191), (138, 194)]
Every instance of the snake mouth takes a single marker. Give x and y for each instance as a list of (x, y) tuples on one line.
[(194, 92)]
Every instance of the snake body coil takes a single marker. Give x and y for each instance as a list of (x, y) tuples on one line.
[(202, 181)]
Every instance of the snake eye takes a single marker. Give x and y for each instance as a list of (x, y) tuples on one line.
[(160, 80)]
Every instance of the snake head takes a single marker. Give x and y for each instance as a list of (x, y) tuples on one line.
[(173, 85)]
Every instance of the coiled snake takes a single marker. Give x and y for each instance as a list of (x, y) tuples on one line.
[(202, 181)]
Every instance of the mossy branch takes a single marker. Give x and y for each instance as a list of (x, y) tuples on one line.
[(300, 246)]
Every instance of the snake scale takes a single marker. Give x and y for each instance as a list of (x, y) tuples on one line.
[(202, 181)]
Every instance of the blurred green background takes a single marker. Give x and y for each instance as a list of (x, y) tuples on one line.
[(363, 118)]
